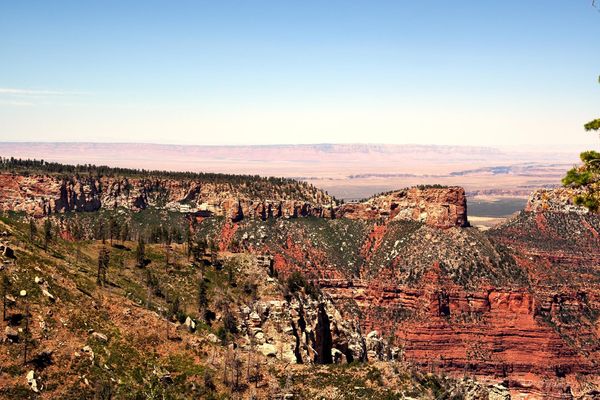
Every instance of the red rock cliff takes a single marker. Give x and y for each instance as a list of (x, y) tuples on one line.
[(42, 194), (439, 207)]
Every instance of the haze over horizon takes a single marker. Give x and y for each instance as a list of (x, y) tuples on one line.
[(348, 171), (234, 73)]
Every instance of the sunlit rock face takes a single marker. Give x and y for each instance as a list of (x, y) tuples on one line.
[(44, 194), (439, 207)]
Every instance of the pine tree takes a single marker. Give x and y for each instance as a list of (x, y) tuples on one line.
[(124, 233), (587, 176), (140, 253), (167, 256), (190, 243), (113, 229), (102, 231), (103, 261), (32, 230), (47, 233), (175, 307), (26, 333), (5, 289)]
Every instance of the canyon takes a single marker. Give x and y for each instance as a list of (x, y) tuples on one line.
[(519, 303), (403, 271)]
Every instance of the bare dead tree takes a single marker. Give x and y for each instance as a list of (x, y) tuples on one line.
[(27, 333), (5, 287)]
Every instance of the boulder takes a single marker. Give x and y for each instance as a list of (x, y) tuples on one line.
[(289, 356), (212, 338), (88, 350), (7, 252), (499, 392), (100, 336), (260, 337), (337, 356), (190, 324), (31, 381), (268, 350), (48, 295), (11, 334), (255, 319), (10, 300)]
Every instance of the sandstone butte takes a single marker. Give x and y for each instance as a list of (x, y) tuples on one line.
[(519, 303)]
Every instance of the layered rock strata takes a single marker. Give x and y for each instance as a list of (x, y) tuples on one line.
[(45, 194)]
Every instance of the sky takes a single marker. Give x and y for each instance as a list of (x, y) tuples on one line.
[(506, 72)]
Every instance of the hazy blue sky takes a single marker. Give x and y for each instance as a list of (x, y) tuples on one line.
[(237, 72)]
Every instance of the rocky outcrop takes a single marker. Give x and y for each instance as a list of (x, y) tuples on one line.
[(302, 328), (439, 207), (555, 200)]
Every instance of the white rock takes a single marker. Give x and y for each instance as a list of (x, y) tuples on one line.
[(499, 392), (255, 318), (100, 336), (268, 350), (31, 381), (88, 349), (190, 324), (39, 280), (10, 300), (289, 356), (288, 330), (337, 355), (11, 334), (48, 295), (212, 338)]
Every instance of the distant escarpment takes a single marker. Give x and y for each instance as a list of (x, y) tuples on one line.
[(48, 194)]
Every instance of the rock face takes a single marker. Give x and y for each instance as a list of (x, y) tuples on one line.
[(439, 207), (46, 194), (305, 329)]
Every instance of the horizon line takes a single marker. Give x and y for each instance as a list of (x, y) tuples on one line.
[(297, 144)]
